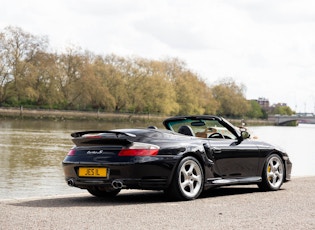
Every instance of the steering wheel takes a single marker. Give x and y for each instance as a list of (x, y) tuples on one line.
[(216, 135)]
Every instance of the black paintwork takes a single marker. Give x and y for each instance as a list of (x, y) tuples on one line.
[(227, 161)]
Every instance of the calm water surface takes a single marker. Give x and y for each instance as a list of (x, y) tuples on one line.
[(31, 153)]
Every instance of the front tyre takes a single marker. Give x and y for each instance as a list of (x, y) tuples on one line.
[(273, 174), (188, 180)]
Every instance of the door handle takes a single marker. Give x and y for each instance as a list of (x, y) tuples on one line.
[(216, 150)]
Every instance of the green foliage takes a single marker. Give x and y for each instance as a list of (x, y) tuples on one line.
[(282, 110), (231, 99), (256, 111), (30, 76)]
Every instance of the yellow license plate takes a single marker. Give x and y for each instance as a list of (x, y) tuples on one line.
[(93, 172)]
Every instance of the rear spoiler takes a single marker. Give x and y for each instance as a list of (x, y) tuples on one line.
[(115, 138), (80, 134)]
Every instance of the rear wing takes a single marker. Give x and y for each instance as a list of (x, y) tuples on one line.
[(101, 138), (82, 133)]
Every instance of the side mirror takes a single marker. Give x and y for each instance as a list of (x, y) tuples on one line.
[(245, 134)]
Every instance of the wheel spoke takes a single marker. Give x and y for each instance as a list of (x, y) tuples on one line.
[(185, 183), (184, 174), (274, 180), (279, 175), (191, 187), (191, 168), (196, 178), (275, 166), (270, 175)]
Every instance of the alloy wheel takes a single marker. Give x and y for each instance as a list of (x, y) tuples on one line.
[(275, 172), (190, 178)]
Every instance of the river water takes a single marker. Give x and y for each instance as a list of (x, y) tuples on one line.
[(31, 153)]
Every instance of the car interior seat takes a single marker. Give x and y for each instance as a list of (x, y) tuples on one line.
[(186, 130)]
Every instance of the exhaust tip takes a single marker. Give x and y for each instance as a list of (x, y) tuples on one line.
[(117, 184), (70, 182)]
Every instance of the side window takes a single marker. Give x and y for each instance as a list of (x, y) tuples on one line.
[(214, 129)]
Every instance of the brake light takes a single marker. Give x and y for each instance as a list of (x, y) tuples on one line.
[(138, 152), (93, 136), (140, 149), (71, 152)]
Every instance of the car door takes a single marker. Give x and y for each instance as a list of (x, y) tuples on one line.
[(233, 159)]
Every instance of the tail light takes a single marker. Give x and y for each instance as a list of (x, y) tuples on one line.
[(139, 149), (71, 152)]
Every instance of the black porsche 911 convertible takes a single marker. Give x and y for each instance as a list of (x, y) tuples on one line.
[(192, 154)]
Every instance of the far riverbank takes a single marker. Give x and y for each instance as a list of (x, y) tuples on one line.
[(41, 114)]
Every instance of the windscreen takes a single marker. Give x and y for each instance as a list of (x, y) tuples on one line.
[(203, 128)]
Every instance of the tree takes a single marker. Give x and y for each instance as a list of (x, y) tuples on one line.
[(70, 70), (231, 99), (96, 89), (17, 50), (117, 73), (255, 110), (282, 110), (43, 88), (159, 95)]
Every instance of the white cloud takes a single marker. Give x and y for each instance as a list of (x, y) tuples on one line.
[(267, 45)]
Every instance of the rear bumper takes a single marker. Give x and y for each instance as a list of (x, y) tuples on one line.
[(150, 175), (126, 183)]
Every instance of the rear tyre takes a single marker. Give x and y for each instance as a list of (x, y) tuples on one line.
[(103, 192), (188, 180), (273, 174)]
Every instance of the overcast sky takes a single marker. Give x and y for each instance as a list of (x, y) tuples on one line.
[(267, 45)]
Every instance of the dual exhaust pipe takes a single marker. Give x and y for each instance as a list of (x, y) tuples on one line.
[(116, 184)]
